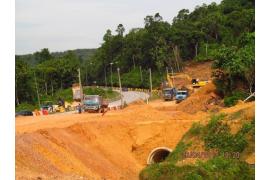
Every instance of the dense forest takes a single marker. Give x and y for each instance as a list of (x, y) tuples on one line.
[(224, 33)]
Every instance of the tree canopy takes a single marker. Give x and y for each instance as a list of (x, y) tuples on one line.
[(222, 32)]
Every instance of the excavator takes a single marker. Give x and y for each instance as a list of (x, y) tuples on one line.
[(197, 84), (179, 81)]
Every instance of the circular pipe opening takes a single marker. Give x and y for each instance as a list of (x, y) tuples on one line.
[(158, 155)]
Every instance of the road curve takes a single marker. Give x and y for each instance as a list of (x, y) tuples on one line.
[(129, 97)]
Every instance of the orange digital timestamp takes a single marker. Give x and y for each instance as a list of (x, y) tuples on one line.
[(210, 154)]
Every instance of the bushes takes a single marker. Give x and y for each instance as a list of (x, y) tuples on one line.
[(211, 52), (26, 106), (132, 79), (216, 168), (232, 100), (218, 136), (177, 153), (165, 171), (196, 129)]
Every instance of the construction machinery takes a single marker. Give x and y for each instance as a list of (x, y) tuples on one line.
[(76, 90), (169, 93), (48, 105), (94, 103), (196, 83), (181, 95)]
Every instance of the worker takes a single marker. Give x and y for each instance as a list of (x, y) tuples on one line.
[(37, 112), (79, 108)]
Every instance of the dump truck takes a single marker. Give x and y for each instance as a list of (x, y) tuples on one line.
[(94, 103), (181, 95), (169, 93), (76, 90)]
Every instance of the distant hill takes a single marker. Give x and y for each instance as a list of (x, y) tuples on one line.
[(82, 54)]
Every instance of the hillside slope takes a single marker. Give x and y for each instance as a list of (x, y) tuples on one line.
[(223, 146)]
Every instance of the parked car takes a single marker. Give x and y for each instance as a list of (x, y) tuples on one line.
[(181, 95), (24, 113), (47, 105)]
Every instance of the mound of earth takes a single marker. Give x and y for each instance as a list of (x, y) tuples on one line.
[(202, 100)]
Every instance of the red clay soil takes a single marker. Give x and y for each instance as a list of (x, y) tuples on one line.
[(202, 100), (199, 70), (85, 146), (113, 146)]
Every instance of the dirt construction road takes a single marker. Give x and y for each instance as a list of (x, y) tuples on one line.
[(110, 146), (92, 146)]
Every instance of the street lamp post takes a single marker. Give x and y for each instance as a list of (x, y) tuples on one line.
[(120, 86), (80, 83), (172, 76)]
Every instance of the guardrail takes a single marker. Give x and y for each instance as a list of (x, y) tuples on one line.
[(155, 91)]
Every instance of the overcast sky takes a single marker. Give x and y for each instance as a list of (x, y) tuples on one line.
[(71, 24)]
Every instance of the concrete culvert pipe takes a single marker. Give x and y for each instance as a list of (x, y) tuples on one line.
[(158, 155)]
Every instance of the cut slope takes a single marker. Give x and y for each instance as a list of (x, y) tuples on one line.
[(202, 100), (114, 146), (221, 147)]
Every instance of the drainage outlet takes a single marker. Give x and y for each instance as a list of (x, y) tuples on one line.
[(158, 155)]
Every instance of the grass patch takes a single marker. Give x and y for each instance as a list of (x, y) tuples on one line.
[(26, 106), (232, 100), (216, 168), (196, 129), (218, 136), (177, 153), (236, 115)]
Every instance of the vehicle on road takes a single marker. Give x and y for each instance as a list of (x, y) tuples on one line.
[(47, 105), (76, 90), (169, 93), (181, 95), (24, 113), (94, 103)]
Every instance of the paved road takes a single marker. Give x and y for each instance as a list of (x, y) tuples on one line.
[(129, 97)]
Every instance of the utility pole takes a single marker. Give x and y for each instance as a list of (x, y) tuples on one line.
[(120, 86), (37, 89), (150, 77), (141, 73), (167, 71), (80, 82), (172, 76), (111, 75)]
